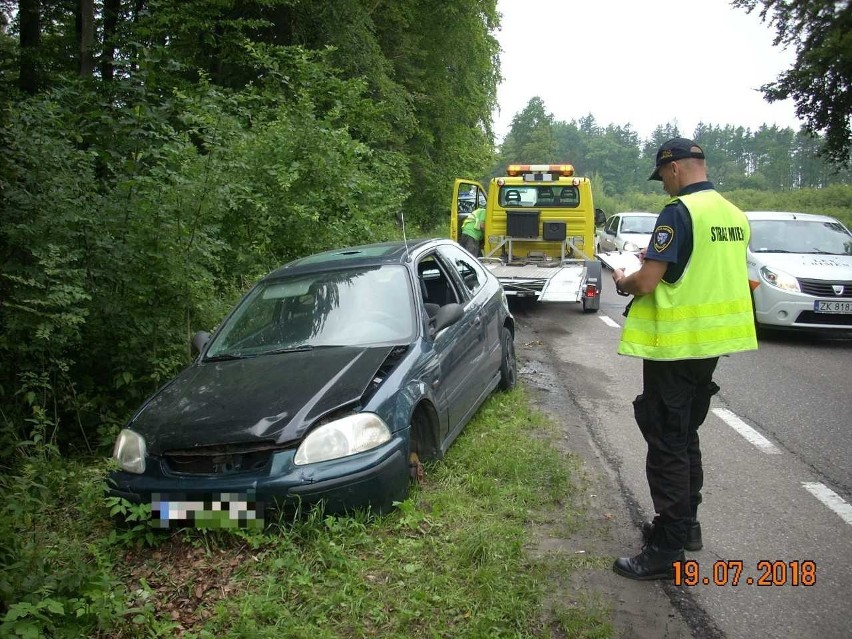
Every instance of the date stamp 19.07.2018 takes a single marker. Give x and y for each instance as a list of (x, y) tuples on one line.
[(730, 572)]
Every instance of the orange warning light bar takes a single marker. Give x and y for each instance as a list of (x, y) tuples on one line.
[(556, 169)]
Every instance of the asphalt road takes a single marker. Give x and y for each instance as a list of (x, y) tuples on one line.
[(778, 482)]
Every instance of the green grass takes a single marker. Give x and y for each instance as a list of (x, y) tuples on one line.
[(453, 560)]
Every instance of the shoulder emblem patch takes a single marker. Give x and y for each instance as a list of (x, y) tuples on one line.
[(663, 236)]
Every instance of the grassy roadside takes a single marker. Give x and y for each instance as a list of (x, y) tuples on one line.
[(459, 558)]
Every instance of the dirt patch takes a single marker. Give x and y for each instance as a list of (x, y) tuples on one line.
[(183, 583)]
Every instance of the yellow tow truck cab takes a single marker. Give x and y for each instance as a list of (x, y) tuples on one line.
[(539, 232)]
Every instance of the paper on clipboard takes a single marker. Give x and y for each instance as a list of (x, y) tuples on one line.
[(621, 259)]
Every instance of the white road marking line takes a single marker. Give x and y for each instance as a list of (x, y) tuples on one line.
[(830, 499), (747, 431), (609, 321)]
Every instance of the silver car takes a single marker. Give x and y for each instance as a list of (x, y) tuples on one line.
[(630, 231), (800, 270)]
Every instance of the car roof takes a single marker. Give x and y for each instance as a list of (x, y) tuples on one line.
[(786, 215), (364, 255)]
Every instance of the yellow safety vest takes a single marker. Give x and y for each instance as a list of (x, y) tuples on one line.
[(472, 222), (708, 311)]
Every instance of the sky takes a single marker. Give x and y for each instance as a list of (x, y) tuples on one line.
[(640, 62)]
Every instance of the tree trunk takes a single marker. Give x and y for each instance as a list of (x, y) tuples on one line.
[(86, 36), (112, 9), (29, 12)]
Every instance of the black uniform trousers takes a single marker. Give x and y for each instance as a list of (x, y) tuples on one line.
[(471, 245), (674, 403)]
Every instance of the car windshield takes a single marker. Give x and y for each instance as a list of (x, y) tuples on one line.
[(638, 224), (800, 236), (341, 308)]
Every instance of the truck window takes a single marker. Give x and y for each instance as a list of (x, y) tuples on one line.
[(540, 196)]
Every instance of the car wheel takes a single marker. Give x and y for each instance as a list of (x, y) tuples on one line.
[(508, 364)]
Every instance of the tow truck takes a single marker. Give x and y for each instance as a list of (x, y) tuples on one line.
[(539, 232)]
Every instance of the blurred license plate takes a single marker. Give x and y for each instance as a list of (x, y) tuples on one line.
[(217, 510), (831, 306)]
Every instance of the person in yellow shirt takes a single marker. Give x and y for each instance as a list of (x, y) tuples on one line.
[(692, 304), (473, 231)]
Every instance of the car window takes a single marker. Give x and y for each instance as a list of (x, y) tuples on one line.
[(638, 224), (347, 307), (436, 285), (469, 269), (800, 236), (612, 224)]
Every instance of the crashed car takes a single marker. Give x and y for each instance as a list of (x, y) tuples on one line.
[(629, 232), (330, 382), (800, 271)]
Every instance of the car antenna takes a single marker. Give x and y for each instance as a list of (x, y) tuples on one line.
[(404, 239)]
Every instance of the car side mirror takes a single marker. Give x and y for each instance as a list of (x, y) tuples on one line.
[(199, 341), (600, 217), (447, 315)]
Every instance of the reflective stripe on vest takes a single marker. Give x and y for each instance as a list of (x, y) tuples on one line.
[(471, 222), (708, 311)]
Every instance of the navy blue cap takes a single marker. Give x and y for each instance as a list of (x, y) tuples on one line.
[(675, 149)]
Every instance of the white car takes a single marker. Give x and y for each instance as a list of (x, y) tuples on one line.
[(630, 231), (800, 270)]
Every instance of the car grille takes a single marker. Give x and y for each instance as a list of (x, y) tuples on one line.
[(835, 319), (821, 288), (220, 460)]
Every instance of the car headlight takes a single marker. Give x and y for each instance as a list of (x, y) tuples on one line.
[(129, 451), (780, 279), (342, 437), (631, 247)]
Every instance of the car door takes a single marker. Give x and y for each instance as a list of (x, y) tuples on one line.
[(471, 279), (467, 197), (456, 348)]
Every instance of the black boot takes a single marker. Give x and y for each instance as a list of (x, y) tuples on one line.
[(693, 535), (652, 563)]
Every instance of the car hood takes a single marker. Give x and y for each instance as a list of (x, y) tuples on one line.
[(271, 398), (808, 265), (639, 239)]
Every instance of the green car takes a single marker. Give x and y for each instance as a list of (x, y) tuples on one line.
[(332, 379)]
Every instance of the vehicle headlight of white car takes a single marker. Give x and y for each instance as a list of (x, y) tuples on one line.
[(343, 437), (630, 246), (129, 451), (780, 279)]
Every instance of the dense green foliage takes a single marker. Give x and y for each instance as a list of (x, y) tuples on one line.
[(820, 80), (156, 168)]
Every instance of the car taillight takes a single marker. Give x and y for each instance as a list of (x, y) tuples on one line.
[(591, 290)]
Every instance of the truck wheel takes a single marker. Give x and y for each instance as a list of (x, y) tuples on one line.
[(508, 364)]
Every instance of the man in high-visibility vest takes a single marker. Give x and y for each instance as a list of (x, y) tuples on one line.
[(692, 303), (472, 232)]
